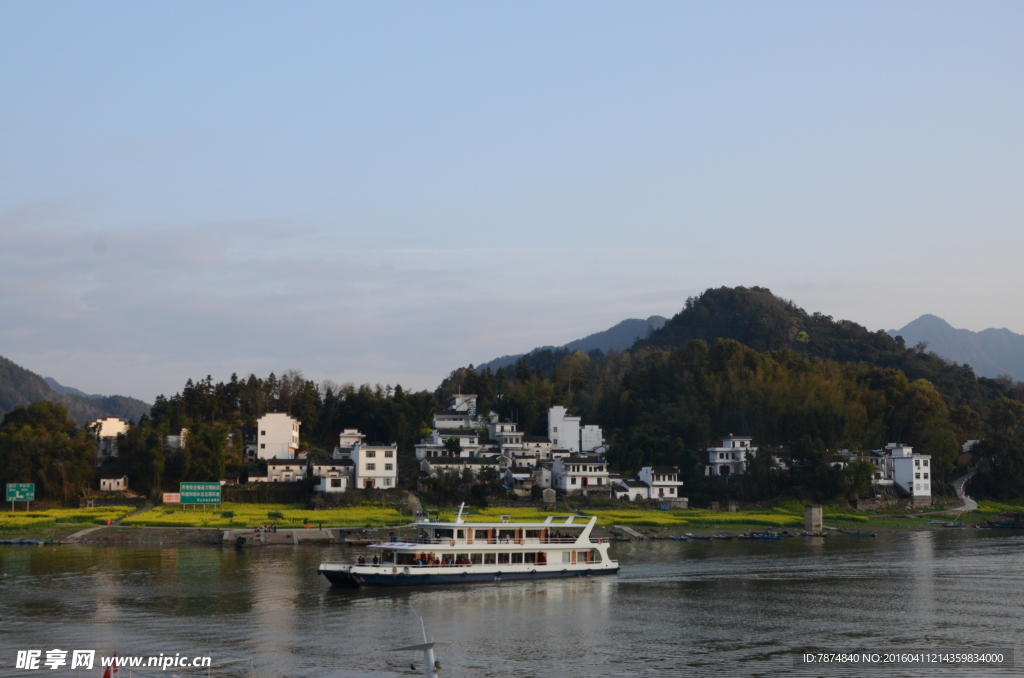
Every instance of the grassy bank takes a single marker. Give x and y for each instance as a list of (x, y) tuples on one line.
[(21, 522), (229, 515)]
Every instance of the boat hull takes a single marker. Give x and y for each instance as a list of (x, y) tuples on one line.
[(348, 579)]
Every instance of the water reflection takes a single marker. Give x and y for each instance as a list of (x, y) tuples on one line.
[(696, 608)]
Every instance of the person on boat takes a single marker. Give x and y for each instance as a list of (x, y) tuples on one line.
[(361, 561), (375, 561), (391, 537)]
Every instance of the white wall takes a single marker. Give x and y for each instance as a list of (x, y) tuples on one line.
[(563, 430), (591, 438), (277, 436)]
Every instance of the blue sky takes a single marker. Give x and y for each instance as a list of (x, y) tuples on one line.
[(382, 192)]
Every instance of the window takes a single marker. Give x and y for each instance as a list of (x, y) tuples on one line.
[(917, 476), (489, 559), (503, 558), (388, 467), (371, 467), (926, 476), (263, 433), (572, 481), (387, 482), (530, 558), (926, 462), (335, 482), (388, 454), (476, 558), (370, 454), (263, 446), (600, 481), (517, 558), (917, 462), (671, 490), (480, 534), (566, 556)]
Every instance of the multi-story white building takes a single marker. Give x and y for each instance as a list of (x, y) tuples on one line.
[(376, 466), (277, 436), (106, 431), (563, 430), (663, 481), (729, 456), (349, 437), (899, 465), (579, 474)]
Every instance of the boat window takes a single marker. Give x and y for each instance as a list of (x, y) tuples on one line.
[(461, 534), (566, 556), (506, 534), (529, 557), (443, 534), (584, 556), (489, 559), (480, 534), (388, 556), (503, 558), (533, 534), (517, 558), (542, 558), (476, 558)]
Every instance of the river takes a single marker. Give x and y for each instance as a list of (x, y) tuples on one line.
[(719, 608)]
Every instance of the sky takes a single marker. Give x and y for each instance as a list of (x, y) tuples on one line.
[(384, 192)]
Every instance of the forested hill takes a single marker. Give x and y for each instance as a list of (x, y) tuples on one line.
[(19, 386), (744, 361)]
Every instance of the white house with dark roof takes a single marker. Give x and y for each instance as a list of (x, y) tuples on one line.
[(333, 475), (286, 470), (911, 472), (113, 483), (729, 456), (519, 479), (631, 489), (579, 475), (540, 445), (662, 481)]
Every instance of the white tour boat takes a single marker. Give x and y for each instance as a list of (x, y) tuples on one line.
[(461, 552)]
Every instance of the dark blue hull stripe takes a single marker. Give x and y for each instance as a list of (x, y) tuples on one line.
[(344, 579)]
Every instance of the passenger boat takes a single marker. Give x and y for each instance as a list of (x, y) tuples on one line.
[(462, 553)]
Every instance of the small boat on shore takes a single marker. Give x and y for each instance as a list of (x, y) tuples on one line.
[(763, 536), (680, 538), (721, 536), (463, 553)]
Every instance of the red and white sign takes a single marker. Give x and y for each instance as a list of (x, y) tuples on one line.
[(172, 497)]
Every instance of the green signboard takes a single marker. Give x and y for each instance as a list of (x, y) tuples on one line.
[(200, 493), (21, 491)]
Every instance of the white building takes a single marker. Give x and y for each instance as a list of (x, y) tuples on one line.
[(539, 445), (333, 475), (899, 465), (563, 430), (591, 438), (434, 444), (632, 490), (106, 431), (519, 479), (729, 456), (285, 470), (376, 466), (113, 483), (437, 466), (277, 437), (662, 481), (579, 474), (542, 475), (346, 439), (506, 434)]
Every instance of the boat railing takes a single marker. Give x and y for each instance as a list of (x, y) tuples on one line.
[(413, 566), (477, 542)]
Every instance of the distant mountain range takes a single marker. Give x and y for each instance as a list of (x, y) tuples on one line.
[(19, 386), (616, 338), (991, 353)]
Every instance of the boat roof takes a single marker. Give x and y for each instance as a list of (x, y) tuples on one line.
[(568, 521)]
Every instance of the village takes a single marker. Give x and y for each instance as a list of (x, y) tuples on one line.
[(569, 460)]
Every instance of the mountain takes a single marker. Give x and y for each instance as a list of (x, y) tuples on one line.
[(19, 386), (68, 390), (616, 338), (992, 352)]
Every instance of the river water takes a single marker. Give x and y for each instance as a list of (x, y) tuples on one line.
[(719, 608)]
